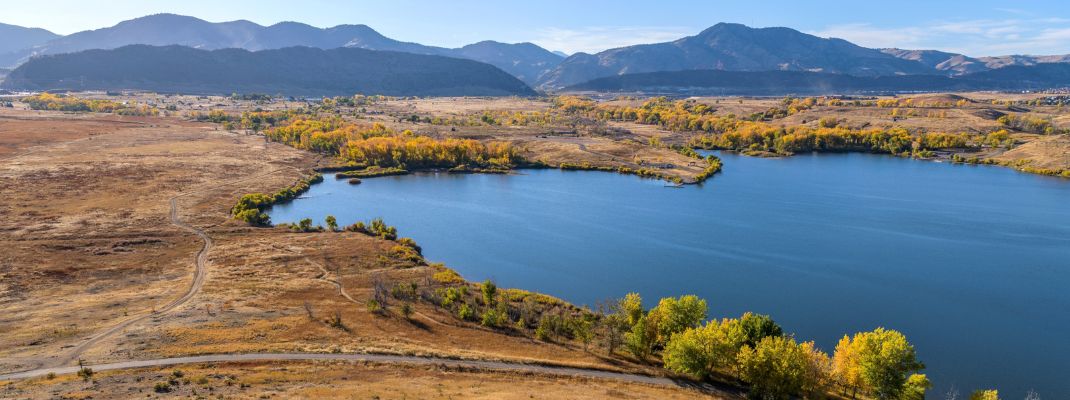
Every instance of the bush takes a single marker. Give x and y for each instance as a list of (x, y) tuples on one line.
[(374, 306), (543, 330), (162, 387), (493, 318), (450, 296), (465, 312), (85, 373)]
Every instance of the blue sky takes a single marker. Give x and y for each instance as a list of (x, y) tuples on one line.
[(975, 28)]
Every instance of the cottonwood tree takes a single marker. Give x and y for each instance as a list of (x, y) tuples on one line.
[(672, 316), (777, 368), (880, 362)]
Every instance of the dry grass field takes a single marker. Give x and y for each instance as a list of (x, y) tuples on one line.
[(89, 245)]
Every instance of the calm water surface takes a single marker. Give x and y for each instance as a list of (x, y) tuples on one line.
[(971, 263)]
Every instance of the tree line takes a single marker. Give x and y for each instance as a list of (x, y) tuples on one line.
[(746, 135), (380, 146), (54, 102), (251, 207)]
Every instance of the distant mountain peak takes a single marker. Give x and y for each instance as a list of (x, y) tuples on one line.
[(733, 47), (16, 38)]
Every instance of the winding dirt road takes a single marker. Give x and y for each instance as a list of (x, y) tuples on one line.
[(199, 276), (389, 359), (198, 283)]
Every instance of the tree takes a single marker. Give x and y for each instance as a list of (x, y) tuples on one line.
[(990, 394), (845, 366), (775, 369), (641, 339), (489, 292), (673, 316), (915, 387), (332, 223), (757, 327), (631, 306), (582, 329), (882, 360), (704, 350)]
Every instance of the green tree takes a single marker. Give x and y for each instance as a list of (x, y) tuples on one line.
[(915, 387), (632, 308), (332, 223), (492, 318), (704, 350), (490, 291), (641, 339), (990, 394), (757, 327), (882, 360), (583, 329), (775, 369), (673, 316)]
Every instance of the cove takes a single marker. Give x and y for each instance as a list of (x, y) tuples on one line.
[(972, 263)]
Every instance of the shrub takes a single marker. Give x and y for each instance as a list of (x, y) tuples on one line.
[(85, 373), (162, 387), (490, 291), (493, 318), (465, 312), (374, 306), (543, 329)]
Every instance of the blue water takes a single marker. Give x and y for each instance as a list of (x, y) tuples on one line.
[(972, 263)]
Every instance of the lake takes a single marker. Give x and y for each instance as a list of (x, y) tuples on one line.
[(972, 263)]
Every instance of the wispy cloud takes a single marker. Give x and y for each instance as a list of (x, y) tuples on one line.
[(598, 38), (982, 37)]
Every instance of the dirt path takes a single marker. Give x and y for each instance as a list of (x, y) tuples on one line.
[(390, 359), (199, 276), (198, 283)]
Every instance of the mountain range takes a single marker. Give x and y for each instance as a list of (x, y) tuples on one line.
[(295, 71), (721, 82), (16, 38), (735, 47), (724, 46), (526, 61)]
